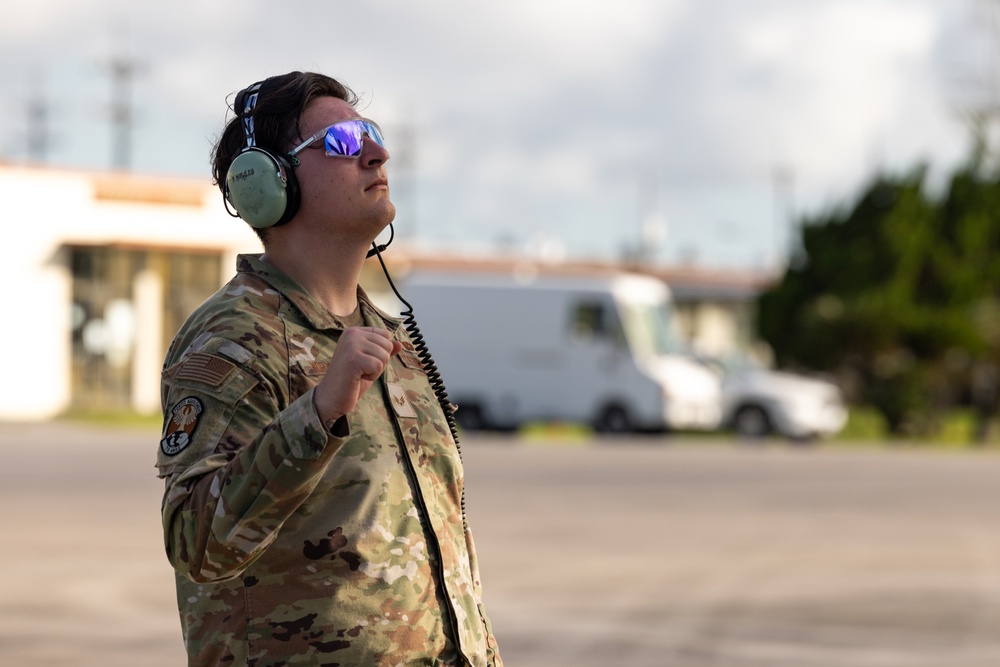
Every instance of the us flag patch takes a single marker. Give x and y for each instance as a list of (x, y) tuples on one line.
[(205, 368)]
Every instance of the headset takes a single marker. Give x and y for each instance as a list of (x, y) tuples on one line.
[(260, 185)]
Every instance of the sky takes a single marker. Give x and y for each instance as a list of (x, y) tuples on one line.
[(699, 131)]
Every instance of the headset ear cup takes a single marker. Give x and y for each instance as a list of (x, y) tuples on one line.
[(262, 188), (292, 193)]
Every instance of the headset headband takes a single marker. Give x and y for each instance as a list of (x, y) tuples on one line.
[(248, 107)]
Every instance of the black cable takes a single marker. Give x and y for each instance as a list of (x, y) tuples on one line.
[(420, 346), (424, 355), (376, 249)]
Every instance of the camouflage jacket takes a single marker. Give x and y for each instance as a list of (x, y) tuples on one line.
[(298, 546)]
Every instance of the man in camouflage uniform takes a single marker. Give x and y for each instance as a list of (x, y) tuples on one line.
[(313, 506)]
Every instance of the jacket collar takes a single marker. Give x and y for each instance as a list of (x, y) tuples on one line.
[(317, 315)]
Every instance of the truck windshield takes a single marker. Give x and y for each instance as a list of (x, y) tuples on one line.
[(651, 329)]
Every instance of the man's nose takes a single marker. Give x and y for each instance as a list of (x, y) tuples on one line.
[(372, 153)]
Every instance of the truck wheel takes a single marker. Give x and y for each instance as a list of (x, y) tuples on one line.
[(614, 419), (752, 421), (470, 417)]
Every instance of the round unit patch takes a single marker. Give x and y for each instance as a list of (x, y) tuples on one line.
[(183, 419)]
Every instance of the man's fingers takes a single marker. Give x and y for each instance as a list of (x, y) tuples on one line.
[(360, 358), (368, 348), (372, 331), (375, 349), (380, 337), (370, 367), (370, 335)]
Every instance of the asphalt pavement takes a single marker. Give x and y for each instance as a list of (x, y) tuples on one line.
[(615, 551)]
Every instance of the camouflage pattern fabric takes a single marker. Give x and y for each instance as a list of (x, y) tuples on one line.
[(294, 545)]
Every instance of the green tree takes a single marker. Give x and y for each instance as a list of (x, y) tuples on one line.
[(897, 295)]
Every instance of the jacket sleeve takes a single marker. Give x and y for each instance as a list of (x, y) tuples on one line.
[(236, 467)]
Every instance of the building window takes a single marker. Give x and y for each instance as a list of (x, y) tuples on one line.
[(104, 321)]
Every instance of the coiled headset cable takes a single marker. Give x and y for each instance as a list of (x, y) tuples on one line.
[(424, 355)]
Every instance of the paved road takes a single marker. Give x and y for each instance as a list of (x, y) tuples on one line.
[(612, 552)]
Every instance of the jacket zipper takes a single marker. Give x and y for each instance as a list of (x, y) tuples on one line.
[(422, 507)]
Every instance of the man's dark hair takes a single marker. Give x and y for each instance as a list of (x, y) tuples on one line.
[(280, 103)]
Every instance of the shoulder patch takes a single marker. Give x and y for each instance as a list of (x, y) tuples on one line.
[(202, 367), (410, 359), (183, 420)]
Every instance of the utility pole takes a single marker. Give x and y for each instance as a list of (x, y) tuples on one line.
[(404, 143), (783, 182), (38, 123), (123, 71), (983, 113), (652, 226)]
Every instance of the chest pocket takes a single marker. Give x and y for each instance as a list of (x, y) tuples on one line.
[(409, 359), (313, 368), (304, 375)]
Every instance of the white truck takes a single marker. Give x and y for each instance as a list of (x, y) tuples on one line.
[(595, 350)]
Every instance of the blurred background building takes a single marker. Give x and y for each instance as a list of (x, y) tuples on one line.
[(108, 264), (106, 268)]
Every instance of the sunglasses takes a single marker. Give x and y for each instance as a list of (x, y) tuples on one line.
[(344, 139)]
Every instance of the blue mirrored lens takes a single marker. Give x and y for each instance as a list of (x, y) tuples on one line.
[(346, 138)]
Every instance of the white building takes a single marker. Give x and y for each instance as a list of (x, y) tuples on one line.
[(101, 269)]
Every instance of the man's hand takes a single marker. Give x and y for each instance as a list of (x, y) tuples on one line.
[(360, 358)]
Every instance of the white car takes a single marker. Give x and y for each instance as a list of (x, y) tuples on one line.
[(757, 401)]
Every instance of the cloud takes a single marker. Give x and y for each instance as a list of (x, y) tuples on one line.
[(533, 115)]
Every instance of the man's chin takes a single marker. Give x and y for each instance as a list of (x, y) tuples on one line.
[(388, 215), (382, 222)]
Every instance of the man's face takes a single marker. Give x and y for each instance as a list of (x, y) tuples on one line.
[(346, 196)]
